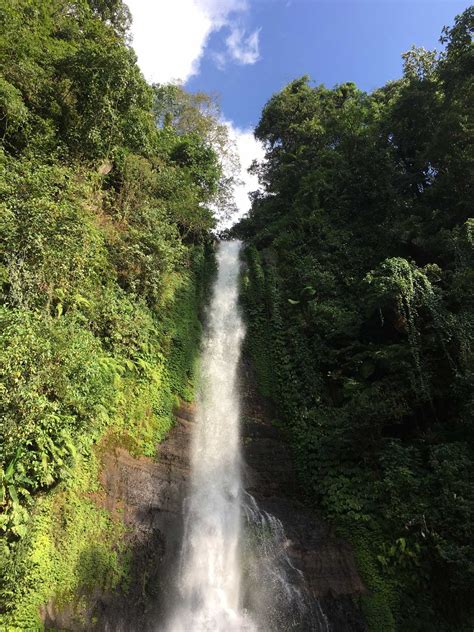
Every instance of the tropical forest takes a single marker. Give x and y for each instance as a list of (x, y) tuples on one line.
[(223, 421)]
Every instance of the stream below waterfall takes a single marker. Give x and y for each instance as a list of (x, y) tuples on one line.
[(234, 573)]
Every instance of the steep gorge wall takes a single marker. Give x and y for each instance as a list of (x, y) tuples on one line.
[(146, 495), (326, 561)]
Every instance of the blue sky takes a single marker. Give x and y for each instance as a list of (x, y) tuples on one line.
[(246, 50), (356, 40)]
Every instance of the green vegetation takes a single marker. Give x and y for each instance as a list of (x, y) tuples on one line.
[(359, 296), (106, 190), (358, 292), (70, 548)]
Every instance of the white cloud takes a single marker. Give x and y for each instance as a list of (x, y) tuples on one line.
[(243, 48), (249, 149), (169, 36)]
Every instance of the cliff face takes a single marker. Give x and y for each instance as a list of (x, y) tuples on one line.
[(327, 562), (148, 496)]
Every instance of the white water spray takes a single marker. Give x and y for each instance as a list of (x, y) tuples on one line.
[(210, 575)]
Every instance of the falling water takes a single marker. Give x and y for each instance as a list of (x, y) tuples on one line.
[(219, 516), (210, 575), (279, 597)]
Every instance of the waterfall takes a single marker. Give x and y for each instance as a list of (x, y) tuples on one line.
[(209, 582), (225, 530)]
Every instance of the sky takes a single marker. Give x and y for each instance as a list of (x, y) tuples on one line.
[(246, 50)]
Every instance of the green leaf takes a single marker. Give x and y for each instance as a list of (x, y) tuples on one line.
[(13, 494)]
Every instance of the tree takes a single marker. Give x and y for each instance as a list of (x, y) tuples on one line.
[(199, 114)]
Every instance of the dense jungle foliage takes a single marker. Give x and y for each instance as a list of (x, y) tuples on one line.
[(106, 191), (359, 296)]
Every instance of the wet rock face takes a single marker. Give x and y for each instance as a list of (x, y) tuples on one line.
[(149, 496), (327, 562)]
